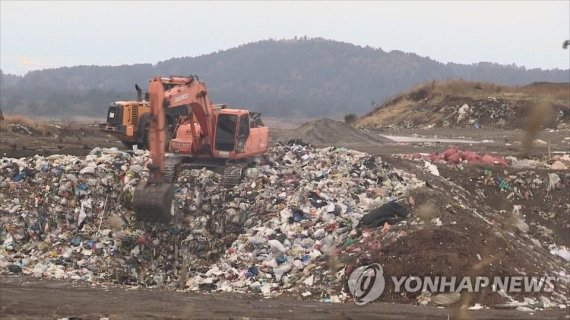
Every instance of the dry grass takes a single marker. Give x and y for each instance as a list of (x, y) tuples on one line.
[(24, 121), (438, 90), (35, 126)]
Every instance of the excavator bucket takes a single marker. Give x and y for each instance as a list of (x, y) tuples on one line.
[(153, 202)]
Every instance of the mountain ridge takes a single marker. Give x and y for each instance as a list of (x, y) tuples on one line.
[(285, 78)]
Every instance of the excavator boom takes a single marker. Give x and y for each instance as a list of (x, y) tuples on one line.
[(153, 199), (157, 130)]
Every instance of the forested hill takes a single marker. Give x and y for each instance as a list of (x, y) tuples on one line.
[(287, 78)]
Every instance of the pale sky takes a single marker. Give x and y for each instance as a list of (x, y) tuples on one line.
[(48, 34)]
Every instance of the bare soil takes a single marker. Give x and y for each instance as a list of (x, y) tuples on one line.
[(24, 298), (54, 137), (327, 131)]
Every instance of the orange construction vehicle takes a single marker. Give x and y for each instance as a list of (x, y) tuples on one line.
[(210, 136)]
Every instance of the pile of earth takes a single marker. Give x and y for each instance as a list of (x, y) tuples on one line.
[(24, 136), (293, 226), (460, 104), (475, 220), (326, 132)]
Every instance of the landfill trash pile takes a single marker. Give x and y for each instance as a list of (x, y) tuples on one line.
[(69, 217), (477, 105), (463, 112), (299, 223)]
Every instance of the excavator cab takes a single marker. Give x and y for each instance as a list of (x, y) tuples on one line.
[(240, 134)]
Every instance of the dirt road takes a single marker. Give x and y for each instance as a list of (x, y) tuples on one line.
[(26, 298), (80, 138)]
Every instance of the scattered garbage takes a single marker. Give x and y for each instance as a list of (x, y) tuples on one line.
[(14, 268), (446, 298), (562, 252), (462, 112), (390, 213), (553, 180), (432, 168)]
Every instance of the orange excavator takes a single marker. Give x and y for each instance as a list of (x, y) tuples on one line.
[(212, 136)]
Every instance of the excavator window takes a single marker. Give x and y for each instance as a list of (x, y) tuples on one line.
[(255, 120), (225, 132), (168, 86), (243, 132)]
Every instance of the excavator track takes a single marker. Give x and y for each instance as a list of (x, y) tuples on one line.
[(231, 176)]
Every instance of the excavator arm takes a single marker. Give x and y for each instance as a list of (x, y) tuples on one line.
[(157, 130), (153, 199)]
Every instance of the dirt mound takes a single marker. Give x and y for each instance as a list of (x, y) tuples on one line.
[(471, 224), (25, 136), (460, 104), (330, 132)]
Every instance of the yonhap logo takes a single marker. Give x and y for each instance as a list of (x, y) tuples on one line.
[(366, 283)]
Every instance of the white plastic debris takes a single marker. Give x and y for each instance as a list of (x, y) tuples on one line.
[(431, 168), (562, 252)]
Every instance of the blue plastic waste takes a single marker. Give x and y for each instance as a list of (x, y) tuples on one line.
[(20, 176), (252, 272), (281, 259)]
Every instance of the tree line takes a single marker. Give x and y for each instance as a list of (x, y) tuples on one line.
[(283, 78)]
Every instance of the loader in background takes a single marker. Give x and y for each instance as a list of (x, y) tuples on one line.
[(128, 121)]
